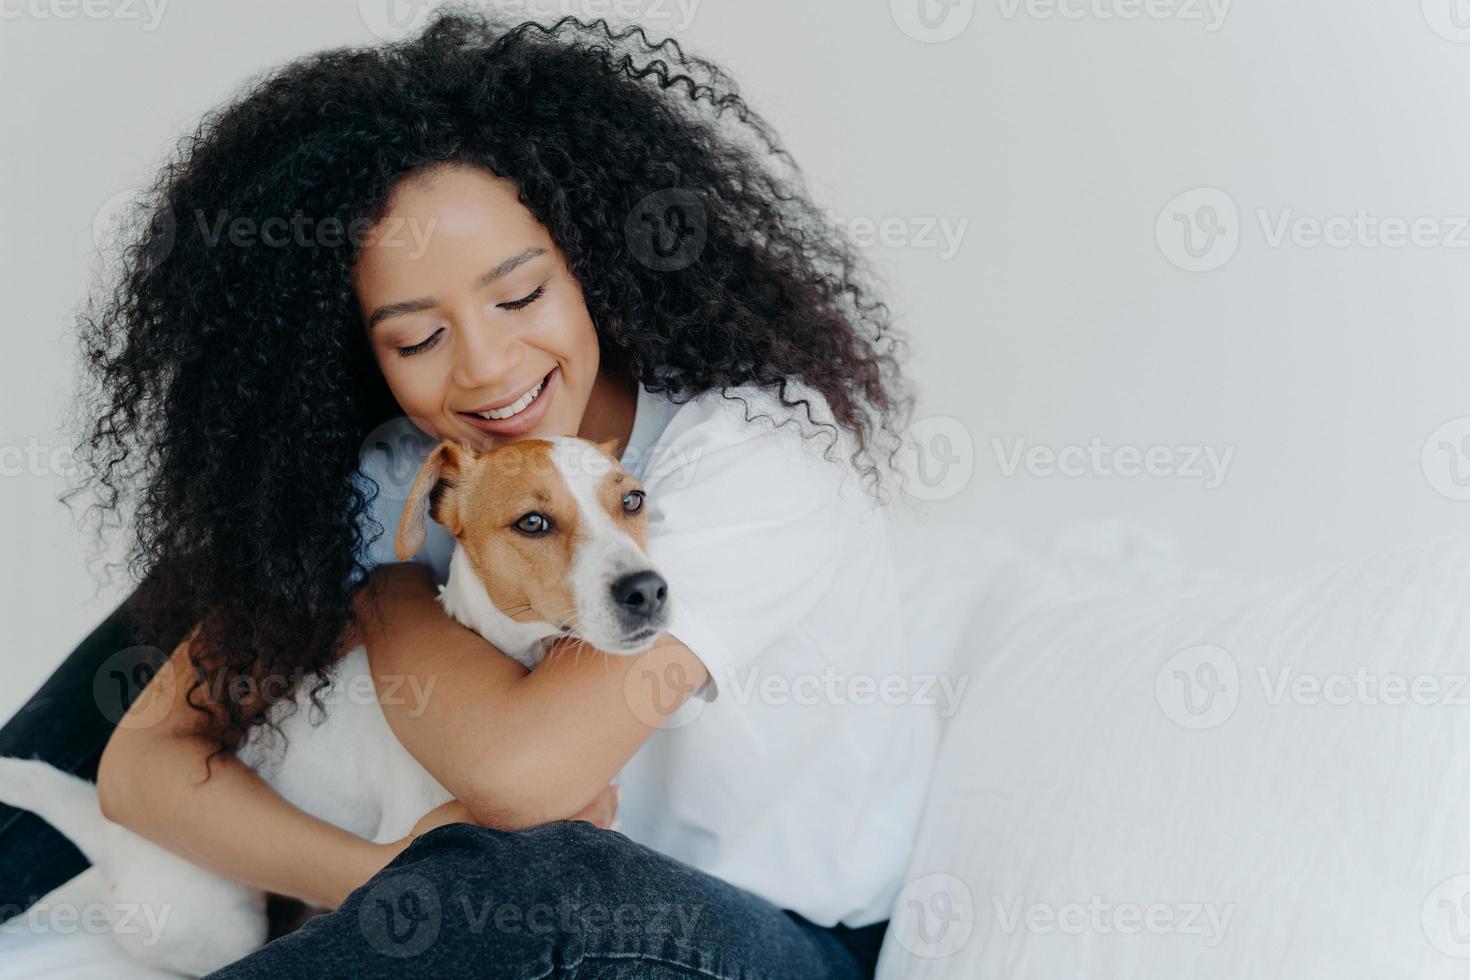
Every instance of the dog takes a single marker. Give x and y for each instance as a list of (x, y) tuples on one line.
[(550, 537)]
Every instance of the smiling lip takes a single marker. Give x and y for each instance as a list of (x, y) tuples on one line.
[(506, 403), (516, 424)]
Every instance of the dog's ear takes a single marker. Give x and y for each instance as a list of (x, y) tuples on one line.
[(436, 481), (609, 446)]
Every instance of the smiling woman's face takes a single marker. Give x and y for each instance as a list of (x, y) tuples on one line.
[(477, 325)]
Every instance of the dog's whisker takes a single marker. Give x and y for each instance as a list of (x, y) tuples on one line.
[(517, 610), (572, 623)]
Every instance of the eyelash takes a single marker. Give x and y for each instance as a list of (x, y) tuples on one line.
[(421, 347), (433, 338), (524, 301)]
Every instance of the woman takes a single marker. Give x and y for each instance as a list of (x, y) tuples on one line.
[(499, 234)]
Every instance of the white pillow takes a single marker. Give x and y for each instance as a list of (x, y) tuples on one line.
[(1096, 812)]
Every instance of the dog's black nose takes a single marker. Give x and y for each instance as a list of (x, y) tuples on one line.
[(640, 594)]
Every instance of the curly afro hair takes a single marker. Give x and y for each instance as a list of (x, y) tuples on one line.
[(231, 383)]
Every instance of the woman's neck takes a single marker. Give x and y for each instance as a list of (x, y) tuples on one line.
[(611, 406)]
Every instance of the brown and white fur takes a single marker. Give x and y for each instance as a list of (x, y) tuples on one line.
[(587, 577)]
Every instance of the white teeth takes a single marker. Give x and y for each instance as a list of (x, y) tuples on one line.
[(516, 407)]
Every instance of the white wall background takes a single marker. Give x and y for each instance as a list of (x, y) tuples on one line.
[(1049, 138)]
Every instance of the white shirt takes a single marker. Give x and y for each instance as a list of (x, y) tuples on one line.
[(799, 770)]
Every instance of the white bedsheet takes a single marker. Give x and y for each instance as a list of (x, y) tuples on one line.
[(1162, 778)]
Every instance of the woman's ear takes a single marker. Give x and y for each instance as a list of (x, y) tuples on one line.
[(437, 481)]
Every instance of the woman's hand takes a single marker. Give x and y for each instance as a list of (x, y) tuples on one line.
[(441, 816), (603, 809), (600, 812)]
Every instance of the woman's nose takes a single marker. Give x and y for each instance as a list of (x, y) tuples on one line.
[(486, 357)]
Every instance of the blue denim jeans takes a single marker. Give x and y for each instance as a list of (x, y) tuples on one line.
[(566, 899)]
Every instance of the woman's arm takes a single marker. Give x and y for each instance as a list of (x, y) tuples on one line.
[(151, 780), (517, 748)]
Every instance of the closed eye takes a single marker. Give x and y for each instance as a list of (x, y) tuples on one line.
[(524, 301), (511, 305), (428, 342)]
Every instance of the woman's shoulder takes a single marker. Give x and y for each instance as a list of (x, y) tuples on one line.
[(388, 462), (772, 423), (749, 438), (750, 410)]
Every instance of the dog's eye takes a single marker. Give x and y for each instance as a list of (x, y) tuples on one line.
[(632, 501), (533, 524)]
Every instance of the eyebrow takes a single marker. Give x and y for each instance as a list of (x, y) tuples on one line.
[(428, 303)]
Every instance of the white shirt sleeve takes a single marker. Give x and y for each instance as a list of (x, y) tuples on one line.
[(390, 461), (747, 522)]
